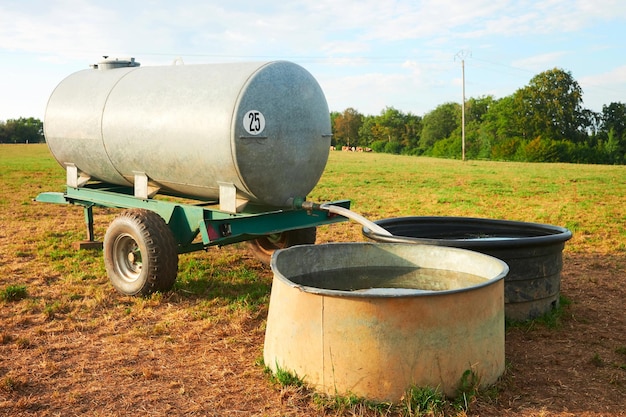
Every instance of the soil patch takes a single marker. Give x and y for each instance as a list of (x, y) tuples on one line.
[(186, 356)]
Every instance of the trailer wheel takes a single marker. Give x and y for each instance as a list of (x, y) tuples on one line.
[(140, 253), (265, 246)]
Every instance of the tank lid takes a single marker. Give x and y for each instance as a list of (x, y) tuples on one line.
[(112, 63)]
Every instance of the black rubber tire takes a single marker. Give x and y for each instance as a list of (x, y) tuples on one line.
[(140, 253), (263, 247)]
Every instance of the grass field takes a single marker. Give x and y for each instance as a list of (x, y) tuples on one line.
[(71, 345), (590, 200)]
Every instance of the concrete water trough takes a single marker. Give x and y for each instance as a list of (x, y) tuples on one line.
[(533, 252), (374, 319)]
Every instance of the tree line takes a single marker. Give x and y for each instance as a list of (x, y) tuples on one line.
[(545, 121), (22, 130)]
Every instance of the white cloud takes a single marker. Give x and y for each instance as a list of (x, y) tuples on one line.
[(349, 48), (370, 53), (65, 28), (604, 88), (365, 92), (606, 79), (539, 63), (305, 28)]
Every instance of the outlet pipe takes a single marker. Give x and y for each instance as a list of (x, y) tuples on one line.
[(342, 211)]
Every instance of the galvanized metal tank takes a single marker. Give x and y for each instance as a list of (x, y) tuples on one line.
[(258, 130), (372, 337)]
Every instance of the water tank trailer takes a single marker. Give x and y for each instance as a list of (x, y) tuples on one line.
[(234, 149)]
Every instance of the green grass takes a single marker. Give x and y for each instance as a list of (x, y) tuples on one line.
[(417, 401), (234, 283), (13, 293), (285, 378), (589, 199)]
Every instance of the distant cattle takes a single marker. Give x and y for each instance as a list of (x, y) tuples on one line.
[(354, 149)]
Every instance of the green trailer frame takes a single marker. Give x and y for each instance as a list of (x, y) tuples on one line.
[(142, 244)]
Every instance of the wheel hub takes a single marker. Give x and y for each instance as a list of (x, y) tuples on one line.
[(128, 255)]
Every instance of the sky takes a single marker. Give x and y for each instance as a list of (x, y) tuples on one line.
[(365, 54)]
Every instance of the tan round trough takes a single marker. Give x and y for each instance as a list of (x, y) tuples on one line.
[(376, 339)]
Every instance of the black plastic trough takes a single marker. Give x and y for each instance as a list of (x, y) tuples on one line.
[(533, 252)]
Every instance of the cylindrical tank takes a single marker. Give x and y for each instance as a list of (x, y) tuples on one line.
[(263, 128)]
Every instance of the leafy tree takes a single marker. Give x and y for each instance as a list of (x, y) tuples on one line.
[(379, 146), (477, 142), (591, 123), (346, 127), (614, 117), (22, 130), (390, 124), (366, 132), (449, 147), (391, 131), (477, 108), (613, 130), (551, 107), (543, 122), (540, 150), (613, 148), (333, 116), (477, 145), (411, 134), (505, 150), (439, 124), (500, 120)]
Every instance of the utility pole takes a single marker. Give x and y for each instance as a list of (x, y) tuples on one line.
[(462, 55)]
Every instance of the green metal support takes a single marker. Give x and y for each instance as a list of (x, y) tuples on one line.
[(88, 210), (91, 242), (52, 197), (195, 225)]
